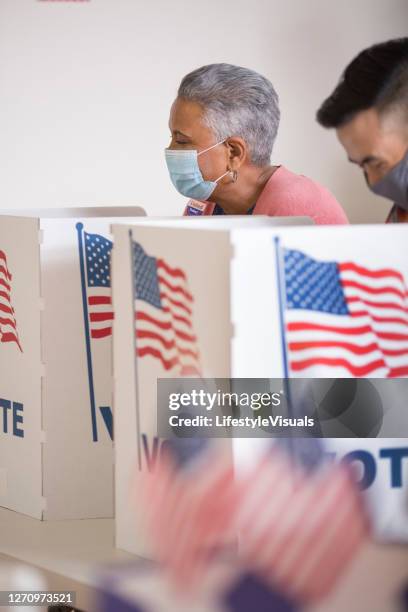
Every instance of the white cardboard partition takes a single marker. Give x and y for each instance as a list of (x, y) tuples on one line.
[(55, 362), (200, 256), (372, 264), (235, 277)]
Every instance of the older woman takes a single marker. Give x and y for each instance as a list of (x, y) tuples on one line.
[(223, 127)]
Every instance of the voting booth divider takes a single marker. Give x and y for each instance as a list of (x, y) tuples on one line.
[(256, 302), (185, 274), (56, 456)]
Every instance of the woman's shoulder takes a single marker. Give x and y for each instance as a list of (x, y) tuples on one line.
[(289, 194)]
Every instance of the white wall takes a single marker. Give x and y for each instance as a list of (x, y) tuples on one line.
[(85, 90)]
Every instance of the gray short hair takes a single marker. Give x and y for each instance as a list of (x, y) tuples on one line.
[(236, 102)]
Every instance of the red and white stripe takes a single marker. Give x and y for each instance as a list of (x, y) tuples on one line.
[(371, 341), (300, 530), (189, 513), (167, 334), (297, 530), (8, 323), (100, 311)]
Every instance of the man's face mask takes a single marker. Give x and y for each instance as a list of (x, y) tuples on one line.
[(185, 173), (394, 185)]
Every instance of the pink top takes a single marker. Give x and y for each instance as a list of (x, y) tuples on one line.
[(288, 195)]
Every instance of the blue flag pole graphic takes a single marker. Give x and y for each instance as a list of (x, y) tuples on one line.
[(138, 420), (303, 451), (280, 275), (80, 227), (306, 451), (282, 301)]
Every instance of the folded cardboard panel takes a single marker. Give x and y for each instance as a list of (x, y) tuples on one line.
[(56, 456), (177, 281)]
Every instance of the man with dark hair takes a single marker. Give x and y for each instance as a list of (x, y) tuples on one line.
[(369, 109)]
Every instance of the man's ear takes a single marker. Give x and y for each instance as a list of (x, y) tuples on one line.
[(237, 152)]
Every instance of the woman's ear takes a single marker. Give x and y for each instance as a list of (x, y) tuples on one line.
[(237, 152)]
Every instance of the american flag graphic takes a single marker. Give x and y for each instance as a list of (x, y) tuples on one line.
[(189, 512), (163, 315), (297, 530), (97, 255), (8, 323), (345, 316)]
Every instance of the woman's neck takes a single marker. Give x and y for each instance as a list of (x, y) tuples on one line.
[(237, 198)]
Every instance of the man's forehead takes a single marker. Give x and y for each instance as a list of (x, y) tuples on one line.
[(367, 134), (365, 126)]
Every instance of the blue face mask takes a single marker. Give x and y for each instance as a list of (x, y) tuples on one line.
[(186, 175)]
